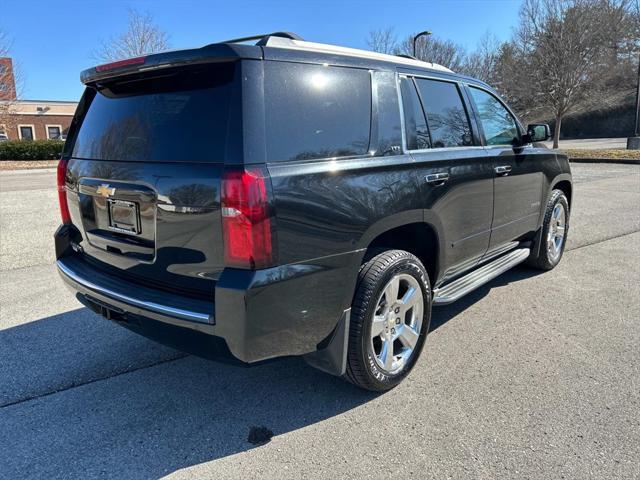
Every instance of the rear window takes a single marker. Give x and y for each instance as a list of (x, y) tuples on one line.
[(174, 117), (313, 111), (446, 116)]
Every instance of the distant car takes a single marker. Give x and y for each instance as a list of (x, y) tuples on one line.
[(292, 198), (3, 137)]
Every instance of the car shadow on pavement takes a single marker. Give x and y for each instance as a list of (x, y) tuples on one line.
[(84, 398)]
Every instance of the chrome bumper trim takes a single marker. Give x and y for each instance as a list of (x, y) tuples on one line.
[(144, 305)]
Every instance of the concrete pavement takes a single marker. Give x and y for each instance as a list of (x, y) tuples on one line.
[(534, 375), (592, 143)]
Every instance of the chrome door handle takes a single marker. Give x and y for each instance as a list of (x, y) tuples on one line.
[(437, 178), (503, 170)]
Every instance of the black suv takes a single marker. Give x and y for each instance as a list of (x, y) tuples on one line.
[(247, 202)]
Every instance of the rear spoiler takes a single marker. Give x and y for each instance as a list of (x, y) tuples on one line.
[(217, 52)]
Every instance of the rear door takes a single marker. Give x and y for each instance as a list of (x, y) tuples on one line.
[(459, 177), (518, 173), (145, 168)]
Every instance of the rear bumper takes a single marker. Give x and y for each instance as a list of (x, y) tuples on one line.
[(122, 296), (256, 315)]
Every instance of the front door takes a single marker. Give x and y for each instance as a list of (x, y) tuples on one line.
[(518, 178)]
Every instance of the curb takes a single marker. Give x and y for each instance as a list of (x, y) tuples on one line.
[(28, 170), (620, 161)]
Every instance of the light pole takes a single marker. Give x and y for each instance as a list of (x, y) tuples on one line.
[(426, 32), (633, 143), (637, 130)]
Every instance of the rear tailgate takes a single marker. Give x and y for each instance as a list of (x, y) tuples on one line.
[(143, 181)]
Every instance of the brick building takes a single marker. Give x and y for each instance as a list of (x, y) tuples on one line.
[(30, 119), (7, 80)]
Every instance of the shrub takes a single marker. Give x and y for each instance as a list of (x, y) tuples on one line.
[(31, 149)]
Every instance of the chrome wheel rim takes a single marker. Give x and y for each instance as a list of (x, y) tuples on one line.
[(396, 323), (557, 230)]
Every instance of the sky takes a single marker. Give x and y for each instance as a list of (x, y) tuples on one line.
[(52, 45)]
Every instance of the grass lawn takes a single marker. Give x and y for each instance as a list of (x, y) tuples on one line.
[(20, 164), (619, 154)]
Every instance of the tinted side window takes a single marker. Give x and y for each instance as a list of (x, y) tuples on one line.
[(414, 120), (498, 124), (446, 115), (312, 111)]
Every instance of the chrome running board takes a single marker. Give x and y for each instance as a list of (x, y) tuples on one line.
[(460, 287)]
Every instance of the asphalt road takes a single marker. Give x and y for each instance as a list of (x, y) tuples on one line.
[(532, 376), (593, 143)]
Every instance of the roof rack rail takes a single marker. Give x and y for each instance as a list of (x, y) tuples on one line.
[(405, 55), (263, 38), (291, 41)]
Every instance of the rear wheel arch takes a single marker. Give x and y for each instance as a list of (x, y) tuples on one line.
[(418, 238)]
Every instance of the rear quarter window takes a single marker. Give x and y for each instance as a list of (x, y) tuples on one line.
[(315, 111), (179, 116)]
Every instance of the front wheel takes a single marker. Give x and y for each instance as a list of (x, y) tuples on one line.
[(390, 317), (554, 233)]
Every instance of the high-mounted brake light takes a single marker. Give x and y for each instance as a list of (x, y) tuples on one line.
[(120, 63), (62, 191), (246, 218)]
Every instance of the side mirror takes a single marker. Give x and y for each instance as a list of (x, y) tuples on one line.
[(538, 132)]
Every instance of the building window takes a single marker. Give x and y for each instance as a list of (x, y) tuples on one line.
[(26, 132), (3, 83), (54, 132)]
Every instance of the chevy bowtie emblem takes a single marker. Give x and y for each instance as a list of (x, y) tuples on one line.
[(105, 190)]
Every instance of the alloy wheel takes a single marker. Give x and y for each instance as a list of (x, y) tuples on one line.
[(556, 233), (396, 323)]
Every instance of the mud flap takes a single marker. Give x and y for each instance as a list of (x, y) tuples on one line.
[(332, 359), (537, 242)]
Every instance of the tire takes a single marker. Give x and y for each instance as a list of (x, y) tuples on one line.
[(548, 255), (403, 323)]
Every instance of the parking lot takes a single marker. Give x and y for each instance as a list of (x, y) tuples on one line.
[(532, 376)]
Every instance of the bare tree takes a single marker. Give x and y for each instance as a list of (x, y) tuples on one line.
[(436, 50), (622, 61), (560, 52), (13, 81), (142, 37), (383, 41), (4, 44), (482, 62), (428, 49)]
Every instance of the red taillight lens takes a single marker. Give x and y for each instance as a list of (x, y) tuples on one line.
[(62, 191), (246, 218)]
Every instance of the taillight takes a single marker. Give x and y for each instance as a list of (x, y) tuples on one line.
[(246, 218), (120, 63), (62, 191)]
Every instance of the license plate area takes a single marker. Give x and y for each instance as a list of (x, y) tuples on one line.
[(124, 216)]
